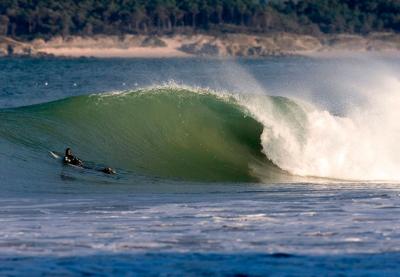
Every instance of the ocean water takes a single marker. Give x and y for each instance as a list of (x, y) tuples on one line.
[(278, 167)]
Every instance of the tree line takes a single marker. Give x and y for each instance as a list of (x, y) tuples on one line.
[(45, 18)]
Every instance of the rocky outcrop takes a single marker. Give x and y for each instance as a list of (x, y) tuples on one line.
[(251, 46), (10, 47), (287, 44), (153, 42), (373, 42)]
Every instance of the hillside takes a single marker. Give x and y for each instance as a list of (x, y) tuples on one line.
[(30, 19)]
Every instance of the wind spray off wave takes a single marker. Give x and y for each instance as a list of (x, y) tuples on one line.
[(362, 144)]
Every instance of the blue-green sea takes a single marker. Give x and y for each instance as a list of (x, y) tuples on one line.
[(284, 166)]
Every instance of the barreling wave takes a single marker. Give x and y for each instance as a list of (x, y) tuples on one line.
[(202, 135), (168, 132)]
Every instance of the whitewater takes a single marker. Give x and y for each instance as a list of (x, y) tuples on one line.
[(264, 165)]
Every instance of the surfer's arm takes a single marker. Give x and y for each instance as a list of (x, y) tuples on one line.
[(73, 160), (77, 162)]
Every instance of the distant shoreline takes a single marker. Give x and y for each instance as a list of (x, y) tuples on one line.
[(224, 45)]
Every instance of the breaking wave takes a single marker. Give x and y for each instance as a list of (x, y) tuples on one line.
[(197, 134)]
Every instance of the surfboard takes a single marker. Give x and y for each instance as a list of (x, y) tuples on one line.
[(55, 155)]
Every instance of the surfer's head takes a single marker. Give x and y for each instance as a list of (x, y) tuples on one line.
[(68, 152), (108, 170)]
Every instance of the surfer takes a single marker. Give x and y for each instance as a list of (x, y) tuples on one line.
[(108, 170), (69, 158)]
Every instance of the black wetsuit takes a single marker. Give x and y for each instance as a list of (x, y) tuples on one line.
[(70, 159)]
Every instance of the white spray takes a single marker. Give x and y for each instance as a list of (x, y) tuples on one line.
[(362, 144)]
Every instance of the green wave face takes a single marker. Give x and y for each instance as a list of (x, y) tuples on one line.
[(162, 132)]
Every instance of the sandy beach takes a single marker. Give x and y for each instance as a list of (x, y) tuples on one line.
[(131, 52), (112, 47), (226, 45)]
